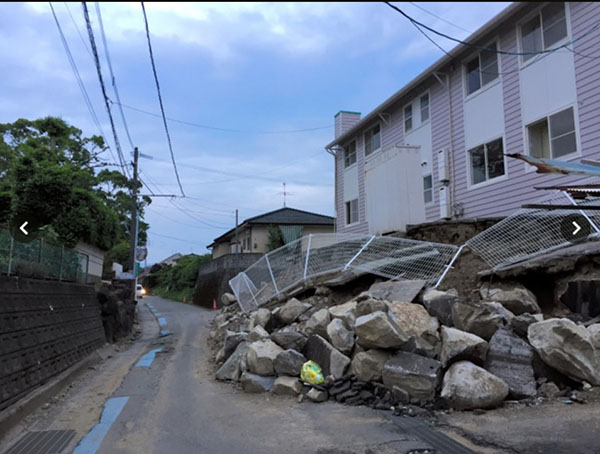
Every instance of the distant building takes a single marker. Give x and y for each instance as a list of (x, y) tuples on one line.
[(253, 233), (171, 260)]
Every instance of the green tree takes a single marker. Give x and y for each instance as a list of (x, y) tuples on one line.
[(274, 238)]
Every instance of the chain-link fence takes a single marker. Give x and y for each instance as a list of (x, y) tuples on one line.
[(316, 255), (532, 232), (42, 260)]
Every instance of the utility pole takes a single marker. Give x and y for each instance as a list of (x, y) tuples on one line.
[(237, 242), (134, 221)]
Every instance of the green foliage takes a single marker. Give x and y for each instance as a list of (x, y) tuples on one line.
[(178, 280), (274, 239), (120, 254)]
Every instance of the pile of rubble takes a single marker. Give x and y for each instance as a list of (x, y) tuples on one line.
[(399, 344)]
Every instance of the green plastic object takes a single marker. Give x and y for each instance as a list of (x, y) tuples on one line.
[(311, 373)]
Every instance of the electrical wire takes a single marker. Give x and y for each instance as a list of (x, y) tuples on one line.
[(84, 93), (78, 31), (112, 76), (162, 109), (174, 238), (102, 86), (440, 18)]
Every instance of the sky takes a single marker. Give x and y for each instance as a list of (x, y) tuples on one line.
[(243, 74)]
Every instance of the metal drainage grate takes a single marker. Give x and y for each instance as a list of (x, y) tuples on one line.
[(43, 442), (439, 441)]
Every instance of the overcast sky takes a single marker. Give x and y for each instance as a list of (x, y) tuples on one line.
[(249, 67)]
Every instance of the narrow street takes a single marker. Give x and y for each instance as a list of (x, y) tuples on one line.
[(168, 401)]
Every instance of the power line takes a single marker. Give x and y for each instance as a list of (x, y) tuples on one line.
[(172, 237), (202, 221), (162, 109), (501, 52), (215, 128), (99, 71), (440, 18), (78, 31), (84, 93), (112, 76)]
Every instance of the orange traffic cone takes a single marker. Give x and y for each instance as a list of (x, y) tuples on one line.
[(184, 300), (214, 304)]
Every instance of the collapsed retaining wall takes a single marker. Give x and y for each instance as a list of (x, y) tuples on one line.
[(213, 277), (45, 327)]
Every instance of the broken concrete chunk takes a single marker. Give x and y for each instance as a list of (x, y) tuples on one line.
[(378, 330), (331, 361), (231, 341), (467, 386), (370, 305), (289, 312), (459, 345), (257, 333), (346, 312), (416, 375), (317, 323), (439, 304), (261, 317), (252, 383), (232, 368), (316, 395), (261, 355), (416, 322), (513, 296), (548, 390), (567, 347), (287, 386), (594, 331), (397, 291), (511, 359), (368, 366), (289, 362), (289, 339), (482, 319), (228, 299), (340, 337)]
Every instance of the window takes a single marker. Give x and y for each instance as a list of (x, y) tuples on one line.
[(554, 136), (424, 108), (428, 188), (350, 154), (482, 69), (351, 211), (544, 30), (487, 161), (408, 118), (372, 140)]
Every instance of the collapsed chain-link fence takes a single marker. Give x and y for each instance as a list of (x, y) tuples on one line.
[(316, 255), (531, 232)]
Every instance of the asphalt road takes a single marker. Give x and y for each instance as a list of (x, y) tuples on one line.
[(172, 404)]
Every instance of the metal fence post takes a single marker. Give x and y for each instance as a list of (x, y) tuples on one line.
[(271, 273), (358, 253), (307, 255), (449, 266), (246, 279), (10, 254), (582, 212)]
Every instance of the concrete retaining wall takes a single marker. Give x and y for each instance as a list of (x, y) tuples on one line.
[(45, 327), (213, 277)]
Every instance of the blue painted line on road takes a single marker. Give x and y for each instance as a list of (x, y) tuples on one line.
[(156, 314), (146, 360), (162, 321), (92, 441), (165, 332)]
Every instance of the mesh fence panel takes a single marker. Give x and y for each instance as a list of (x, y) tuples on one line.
[(316, 255)]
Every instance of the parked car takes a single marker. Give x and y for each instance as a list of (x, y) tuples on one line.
[(140, 291)]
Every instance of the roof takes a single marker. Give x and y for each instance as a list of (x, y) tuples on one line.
[(438, 65), (177, 255), (282, 216)]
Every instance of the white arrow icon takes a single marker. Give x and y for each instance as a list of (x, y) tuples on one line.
[(22, 228), (577, 227)]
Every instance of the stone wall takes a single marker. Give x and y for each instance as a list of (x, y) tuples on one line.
[(45, 327), (213, 277)]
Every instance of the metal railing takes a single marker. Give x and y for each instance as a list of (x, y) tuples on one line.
[(41, 259)]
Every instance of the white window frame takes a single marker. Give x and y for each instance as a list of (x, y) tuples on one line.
[(477, 55), (566, 157), (346, 165), (365, 139), (538, 12), (428, 107), (348, 214), (470, 184), (430, 175), (412, 117)]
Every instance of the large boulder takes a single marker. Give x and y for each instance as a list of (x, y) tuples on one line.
[(257, 333), (317, 395), (289, 339), (368, 366), (289, 362), (515, 297), (378, 330), (511, 359), (439, 304), (289, 312), (416, 322), (594, 331), (467, 386), (396, 291), (345, 312), (370, 305), (228, 299), (235, 364), (261, 317), (331, 361), (317, 323), (231, 342), (287, 386), (520, 323), (482, 319), (252, 383), (340, 337), (459, 345), (567, 347), (416, 375), (261, 355)]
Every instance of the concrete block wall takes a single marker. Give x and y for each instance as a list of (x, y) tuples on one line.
[(45, 327)]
